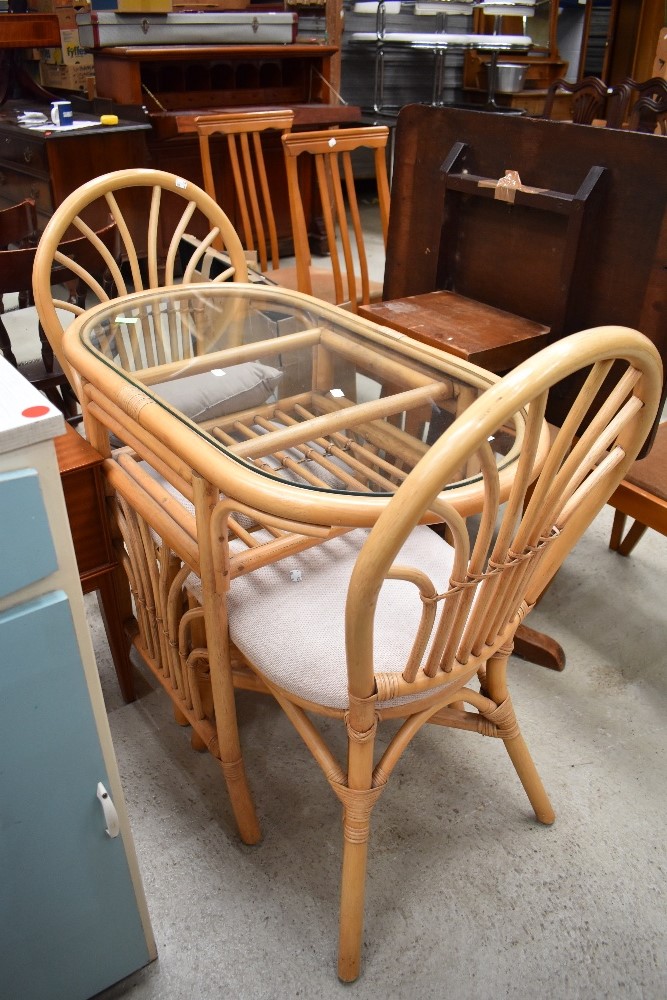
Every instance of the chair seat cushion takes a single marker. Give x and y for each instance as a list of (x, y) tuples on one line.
[(289, 618)]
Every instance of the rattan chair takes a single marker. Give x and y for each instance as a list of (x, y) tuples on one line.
[(396, 624), (152, 210), (390, 623), (332, 151)]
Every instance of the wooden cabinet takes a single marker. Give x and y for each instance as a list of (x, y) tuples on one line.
[(73, 918), (47, 166)]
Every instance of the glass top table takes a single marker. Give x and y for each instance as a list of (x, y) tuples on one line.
[(277, 398)]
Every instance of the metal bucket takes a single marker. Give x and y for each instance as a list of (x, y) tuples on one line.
[(510, 78)]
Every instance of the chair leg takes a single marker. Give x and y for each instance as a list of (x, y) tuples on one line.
[(358, 799), (495, 685), (352, 899), (624, 546)]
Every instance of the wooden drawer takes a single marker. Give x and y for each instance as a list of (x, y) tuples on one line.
[(15, 185), (25, 151)]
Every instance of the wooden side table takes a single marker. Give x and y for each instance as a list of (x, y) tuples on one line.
[(488, 337), (81, 476)]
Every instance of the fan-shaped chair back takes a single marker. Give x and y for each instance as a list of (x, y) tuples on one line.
[(152, 210)]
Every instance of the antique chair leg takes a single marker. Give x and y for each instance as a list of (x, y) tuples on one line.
[(495, 686)]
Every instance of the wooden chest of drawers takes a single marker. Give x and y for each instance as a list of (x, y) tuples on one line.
[(47, 166)]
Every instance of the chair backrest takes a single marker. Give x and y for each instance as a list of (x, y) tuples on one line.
[(243, 132), (173, 206), (623, 98), (498, 577), (588, 102), (649, 112), (332, 151)]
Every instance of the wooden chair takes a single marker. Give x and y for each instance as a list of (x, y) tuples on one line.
[(588, 101), (18, 229), (647, 113), (18, 237), (332, 150), (253, 200), (139, 249), (394, 624), (643, 496)]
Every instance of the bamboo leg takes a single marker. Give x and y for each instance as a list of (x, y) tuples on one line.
[(496, 687), (222, 687), (358, 799), (353, 894)]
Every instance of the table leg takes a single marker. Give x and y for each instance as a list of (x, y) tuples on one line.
[(539, 648)]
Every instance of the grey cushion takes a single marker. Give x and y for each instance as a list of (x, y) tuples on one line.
[(221, 391)]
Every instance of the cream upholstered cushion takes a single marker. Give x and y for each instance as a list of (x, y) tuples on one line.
[(289, 618)]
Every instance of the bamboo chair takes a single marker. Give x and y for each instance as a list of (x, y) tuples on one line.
[(173, 206), (643, 496), (243, 132), (588, 99), (332, 151), (395, 624)]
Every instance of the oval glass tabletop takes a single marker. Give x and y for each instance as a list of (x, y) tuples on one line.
[(284, 384)]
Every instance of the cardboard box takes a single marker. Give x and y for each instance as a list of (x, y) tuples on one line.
[(64, 77), (70, 52)]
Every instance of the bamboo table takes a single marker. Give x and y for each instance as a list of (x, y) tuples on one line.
[(305, 417)]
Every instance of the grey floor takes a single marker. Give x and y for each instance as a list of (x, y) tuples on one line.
[(467, 896)]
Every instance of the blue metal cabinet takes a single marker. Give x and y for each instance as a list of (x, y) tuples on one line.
[(73, 918)]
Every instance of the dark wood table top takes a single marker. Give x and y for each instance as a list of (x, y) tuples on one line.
[(486, 336)]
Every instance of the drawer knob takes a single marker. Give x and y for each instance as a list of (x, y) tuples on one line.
[(34, 193), (28, 154)]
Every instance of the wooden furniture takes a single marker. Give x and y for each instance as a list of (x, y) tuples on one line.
[(588, 100), (178, 83), (18, 228), (543, 60), (643, 496), (250, 192), (623, 97), (72, 909), (472, 330), (288, 598), (16, 273), (24, 31), (628, 226), (47, 166), (649, 112), (167, 200), (80, 468), (332, 151)]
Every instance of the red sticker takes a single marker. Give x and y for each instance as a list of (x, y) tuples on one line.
[(35, 411)]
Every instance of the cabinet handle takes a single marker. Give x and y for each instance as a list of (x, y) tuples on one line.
[(27, 154), (109, 810)]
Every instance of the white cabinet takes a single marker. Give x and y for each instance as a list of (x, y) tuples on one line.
[(73, 917)]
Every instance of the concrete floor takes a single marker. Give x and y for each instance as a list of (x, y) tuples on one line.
[(468, 897)]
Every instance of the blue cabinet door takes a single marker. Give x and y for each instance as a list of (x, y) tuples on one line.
[(69, 920)]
